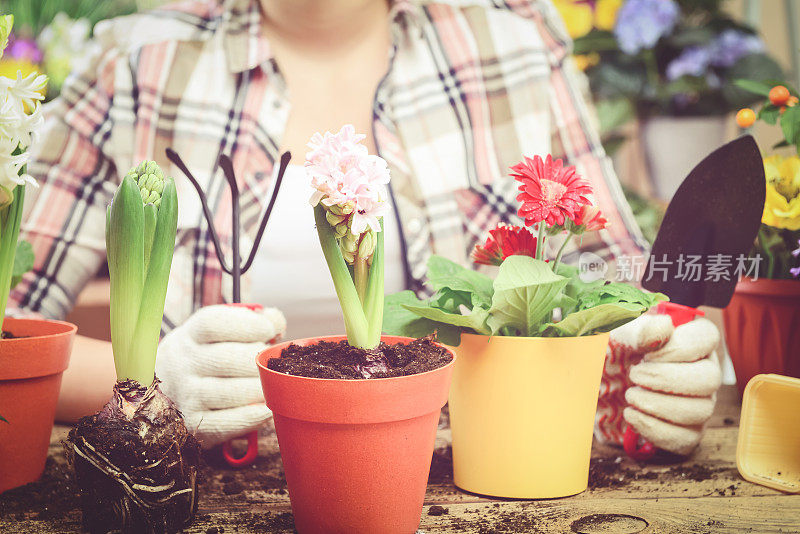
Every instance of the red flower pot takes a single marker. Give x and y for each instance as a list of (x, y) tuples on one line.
[(356, 453), (762, 328), (31, 365)]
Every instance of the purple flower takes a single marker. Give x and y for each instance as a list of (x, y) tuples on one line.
[(641, 23), (732, 45), (23, 50), (693, 61), (796, 270)]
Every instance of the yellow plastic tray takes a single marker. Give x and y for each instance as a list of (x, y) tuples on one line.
[(768, 451)]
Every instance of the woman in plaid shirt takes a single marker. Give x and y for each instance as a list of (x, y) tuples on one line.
[(450, 93)]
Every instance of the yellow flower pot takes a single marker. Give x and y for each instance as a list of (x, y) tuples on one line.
[(522, 414)]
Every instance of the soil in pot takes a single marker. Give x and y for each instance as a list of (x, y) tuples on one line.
[(136, 464), (341, 361)]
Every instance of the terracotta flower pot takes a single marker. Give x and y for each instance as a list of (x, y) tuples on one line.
[(31, 366), (762, 329), (522, 414), (356, 453)]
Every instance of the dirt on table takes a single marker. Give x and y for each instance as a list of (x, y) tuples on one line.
[(610, 472), (341, 361)]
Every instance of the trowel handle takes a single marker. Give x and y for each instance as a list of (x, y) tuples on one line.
[(251, 437)]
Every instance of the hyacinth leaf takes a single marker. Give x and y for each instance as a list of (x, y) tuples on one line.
[(151, 312), (443, 273), (373, 303), (602, 318), (526, 291), (10, 217), (398, 320), (23, 262), (125, 249), (150, 220), (355, 322)]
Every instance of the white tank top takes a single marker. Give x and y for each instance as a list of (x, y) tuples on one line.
[(289, 271)]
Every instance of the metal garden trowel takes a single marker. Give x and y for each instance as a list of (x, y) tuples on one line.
[(711, 223)]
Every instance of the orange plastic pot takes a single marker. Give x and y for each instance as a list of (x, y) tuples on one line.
[(762, 329), (31, 365), (356, 453)]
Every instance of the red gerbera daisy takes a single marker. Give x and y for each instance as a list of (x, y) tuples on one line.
[(550, 192), (589, 218), (505, 241)]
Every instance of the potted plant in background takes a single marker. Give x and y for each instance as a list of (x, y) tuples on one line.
[(530, 344), (135, 461), (356, 417), (33, 352), (673, 65), (762, 320)]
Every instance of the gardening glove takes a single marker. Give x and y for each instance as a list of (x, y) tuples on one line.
[(208, 368), (661, 381)]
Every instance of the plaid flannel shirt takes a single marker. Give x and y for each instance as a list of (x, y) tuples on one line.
[(472, 87)]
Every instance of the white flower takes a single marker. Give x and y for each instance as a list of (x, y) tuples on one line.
[(20, 119)]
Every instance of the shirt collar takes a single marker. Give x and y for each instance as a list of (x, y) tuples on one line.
[(246, 47)]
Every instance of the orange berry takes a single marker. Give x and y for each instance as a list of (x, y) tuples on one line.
[(781, 109), (745, 118), (792, 102), (779, 95)]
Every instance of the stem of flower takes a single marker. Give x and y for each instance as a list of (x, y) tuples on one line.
[(762, 239), (540, 241), (561, 249), (361, 276), (10, 217), (355, 322)]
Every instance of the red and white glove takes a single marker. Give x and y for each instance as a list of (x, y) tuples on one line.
[(660, 381)]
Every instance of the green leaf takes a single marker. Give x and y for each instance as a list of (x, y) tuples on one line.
[(399, 321), (756, 68), (612, 293), (595, 41), (790, 124), (23, 262), (476, 319), (759, 88), (613, 113), (158, 260), (602, 318), (525, 293), (769, 113), (3, 419), (443, 273)]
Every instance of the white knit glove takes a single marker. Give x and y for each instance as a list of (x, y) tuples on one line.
[(208, 368), (666, 381)]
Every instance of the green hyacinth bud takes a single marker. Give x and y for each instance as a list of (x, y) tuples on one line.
[(150, 179), (349, 243)]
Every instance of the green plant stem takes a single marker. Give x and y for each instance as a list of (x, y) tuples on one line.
[(540, 241), (361, 277), (652, 71), (10, 217), (561, 250), (355, 322), (770, 257)]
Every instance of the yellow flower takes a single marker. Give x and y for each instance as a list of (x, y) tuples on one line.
[(584, 61), (782, 207), (577, 16), (605, 14), (9, 67)]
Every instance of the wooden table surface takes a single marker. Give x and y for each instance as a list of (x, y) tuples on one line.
[(703, 493)]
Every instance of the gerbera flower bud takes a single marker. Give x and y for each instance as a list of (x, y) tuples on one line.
[(505, 241)]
